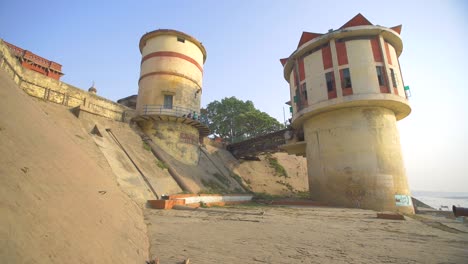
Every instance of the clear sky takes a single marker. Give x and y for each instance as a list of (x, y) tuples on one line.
[(98, 41)]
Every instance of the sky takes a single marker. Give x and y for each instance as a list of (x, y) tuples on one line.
[(98, 41)]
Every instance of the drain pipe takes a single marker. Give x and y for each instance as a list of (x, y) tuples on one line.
[(241, 183), (157, 152), (111, 134)]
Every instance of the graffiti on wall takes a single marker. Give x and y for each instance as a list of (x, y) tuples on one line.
[(188, 138)]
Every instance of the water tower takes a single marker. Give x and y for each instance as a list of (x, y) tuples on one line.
[(347, 94), (170, 89)]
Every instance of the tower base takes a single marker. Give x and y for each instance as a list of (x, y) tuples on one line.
[(354, 160)]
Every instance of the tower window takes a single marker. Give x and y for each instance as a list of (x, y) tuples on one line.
[(330, 83), (380, 75), (181, 39), (168, 101), (392, 73), (304, 91), (346, 78)]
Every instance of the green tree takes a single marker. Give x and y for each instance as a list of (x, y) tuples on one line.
[(235, 120)]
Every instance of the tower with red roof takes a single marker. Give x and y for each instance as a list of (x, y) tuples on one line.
[(347, 93)]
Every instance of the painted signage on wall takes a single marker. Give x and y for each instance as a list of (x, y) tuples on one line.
[(403, 200)]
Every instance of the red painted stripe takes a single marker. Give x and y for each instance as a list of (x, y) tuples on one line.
[(376, 50), (301, 70), (174, 55), (327, 58), (168, 73), (387, 51), (341, 53)]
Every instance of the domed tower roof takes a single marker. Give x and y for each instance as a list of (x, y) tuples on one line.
[(92, 89)]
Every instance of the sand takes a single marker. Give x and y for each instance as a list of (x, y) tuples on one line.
[(59, 202), (300, 235)]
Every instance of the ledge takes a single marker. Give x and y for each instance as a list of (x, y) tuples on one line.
[(396, 103)]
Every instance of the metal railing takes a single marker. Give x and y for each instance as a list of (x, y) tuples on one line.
[(176, 111)]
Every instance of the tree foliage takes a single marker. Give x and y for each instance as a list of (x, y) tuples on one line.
[(235, 120)]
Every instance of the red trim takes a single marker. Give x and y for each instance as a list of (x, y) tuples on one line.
[(172, 54), (301, 70), (387, 51), (376, 50), (341, 53), (168, 73), (327, 58), (384, 89)]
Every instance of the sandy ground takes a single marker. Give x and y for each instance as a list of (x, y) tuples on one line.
[(59, 202), (302, 235)]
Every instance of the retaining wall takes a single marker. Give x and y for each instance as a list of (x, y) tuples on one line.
[(52, 90)]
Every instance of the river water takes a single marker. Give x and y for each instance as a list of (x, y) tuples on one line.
[(439, 199)]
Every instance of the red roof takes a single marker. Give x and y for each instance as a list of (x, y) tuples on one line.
[(358, 20), (397, 29), (306, 36), (283, 61)]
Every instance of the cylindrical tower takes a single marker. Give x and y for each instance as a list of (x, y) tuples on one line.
[(347, 93), (170, 88)]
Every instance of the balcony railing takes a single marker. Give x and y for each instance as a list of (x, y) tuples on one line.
[(175, 111)]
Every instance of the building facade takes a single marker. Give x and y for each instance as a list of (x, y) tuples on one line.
[(170, 89), (35, 62), (347, 93)]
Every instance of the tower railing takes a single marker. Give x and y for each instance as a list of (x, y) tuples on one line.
[(175, 111)]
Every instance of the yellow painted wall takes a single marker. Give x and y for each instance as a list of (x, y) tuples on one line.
[(172, 64), (181, 89), (354, 159), (362, 67), (170, 43), (183, 84)]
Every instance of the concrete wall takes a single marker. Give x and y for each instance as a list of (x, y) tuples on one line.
[(354, 159), (49, 89)]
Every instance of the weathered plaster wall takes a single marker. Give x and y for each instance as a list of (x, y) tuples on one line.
[(49, 89), (180, 88), (315, 79), (354, 159), (362, 67), (179, 140), (170, 67)]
